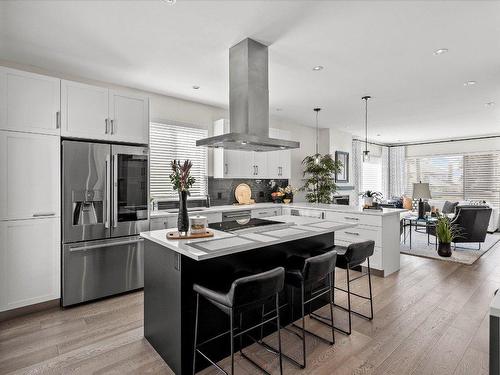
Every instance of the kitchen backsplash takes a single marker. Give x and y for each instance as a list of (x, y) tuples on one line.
[(221, 190)]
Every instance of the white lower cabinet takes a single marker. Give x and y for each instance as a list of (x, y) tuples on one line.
[(171, 221), (266, 212), (30, 257)]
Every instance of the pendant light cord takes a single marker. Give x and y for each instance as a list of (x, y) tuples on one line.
[(317, 132), (366, 124)]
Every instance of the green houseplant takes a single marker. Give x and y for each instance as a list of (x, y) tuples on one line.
[(446, 232), (182, 181), (319, 173), (369, 196)]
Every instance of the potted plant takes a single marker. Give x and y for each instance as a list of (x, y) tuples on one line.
[(277, 196), (182, 181), (370, 196), (320, 171), (446, 232), (288, 193)]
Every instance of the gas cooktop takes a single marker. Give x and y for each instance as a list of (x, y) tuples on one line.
[(231, 226)]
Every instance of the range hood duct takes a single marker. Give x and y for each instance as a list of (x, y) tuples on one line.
[(248, 102)]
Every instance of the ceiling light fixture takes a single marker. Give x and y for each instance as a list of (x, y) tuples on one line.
[(196, 87), (440, 51), (317, 136), (366, 153), (470, 83), (318, 68)]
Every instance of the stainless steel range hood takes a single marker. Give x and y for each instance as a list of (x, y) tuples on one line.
[(248, 102)]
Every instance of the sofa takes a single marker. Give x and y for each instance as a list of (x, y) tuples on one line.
[(472, 223)]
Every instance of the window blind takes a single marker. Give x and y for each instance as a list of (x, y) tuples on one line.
[(444, 173), (372, 175), (169, 142), (482, 177)]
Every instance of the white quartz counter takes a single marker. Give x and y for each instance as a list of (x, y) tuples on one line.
[(224, 243), (309, 206)]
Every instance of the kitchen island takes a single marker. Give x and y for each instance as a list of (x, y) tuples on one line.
[(172, 266)]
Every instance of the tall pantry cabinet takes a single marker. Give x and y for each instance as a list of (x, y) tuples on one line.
[(30, 215)]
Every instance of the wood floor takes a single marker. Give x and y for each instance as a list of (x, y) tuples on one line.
[(430, 318)]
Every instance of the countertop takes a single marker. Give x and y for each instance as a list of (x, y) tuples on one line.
[(224, 243), (299, 205)]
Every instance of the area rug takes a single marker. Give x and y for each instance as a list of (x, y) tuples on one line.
[(465, 253)]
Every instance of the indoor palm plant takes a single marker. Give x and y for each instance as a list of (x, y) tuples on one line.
[(182, 181), (446, 232), (319, 171)]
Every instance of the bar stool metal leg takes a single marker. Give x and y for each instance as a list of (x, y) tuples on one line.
[(231, 328), (303, 326), (195, 332)]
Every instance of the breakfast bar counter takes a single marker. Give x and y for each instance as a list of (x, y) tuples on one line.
[(172, 266)]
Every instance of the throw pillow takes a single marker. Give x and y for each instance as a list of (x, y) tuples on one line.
[(449, 207)]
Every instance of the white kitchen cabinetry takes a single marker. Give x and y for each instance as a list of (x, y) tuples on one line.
[(278, 162), (29, 102), (171, 221), (247, 164), (29, 175), (29, 262), (266, 212), (94, 112), (84, 111), (129, 117)]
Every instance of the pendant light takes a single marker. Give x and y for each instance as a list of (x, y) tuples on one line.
[(366, 153), (316, 155)]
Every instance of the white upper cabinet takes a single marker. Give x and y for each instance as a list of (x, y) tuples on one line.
[(278, 162), (129, 117), (94, 112), (29, 102), (259, 164), (30, 258), (29, 175), (84, 111)]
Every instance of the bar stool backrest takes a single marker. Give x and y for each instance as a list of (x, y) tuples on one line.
[(357, 253), (257, 288), (319, 266)]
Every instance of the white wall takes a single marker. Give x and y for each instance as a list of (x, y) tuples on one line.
[(469, 146)]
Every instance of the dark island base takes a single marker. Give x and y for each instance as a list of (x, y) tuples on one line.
[(169, 301)]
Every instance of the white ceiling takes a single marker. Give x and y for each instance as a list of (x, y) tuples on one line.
[(384, 49)]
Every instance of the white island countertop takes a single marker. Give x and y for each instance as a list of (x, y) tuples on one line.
[(299, 205), (225, 243)]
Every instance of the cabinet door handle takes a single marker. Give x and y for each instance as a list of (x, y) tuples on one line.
[(42, 214), (106, 122), (256, 170), (58, 119), (351, 218), (226, 168), (352, 233), (263, 213), (112, 126)]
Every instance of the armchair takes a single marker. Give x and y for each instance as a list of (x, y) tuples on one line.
[(472, 222)]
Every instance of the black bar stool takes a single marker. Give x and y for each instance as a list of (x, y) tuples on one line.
[(245, 293), (354, 255), (302, 273)]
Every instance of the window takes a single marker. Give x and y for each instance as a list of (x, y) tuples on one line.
[(372, 175), (444, 173), (169, 142), (482, 177)]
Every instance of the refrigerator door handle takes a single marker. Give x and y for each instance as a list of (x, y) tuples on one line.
[(115, 191), (108, 193)]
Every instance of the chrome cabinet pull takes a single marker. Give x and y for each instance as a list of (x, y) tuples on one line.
[(257, 169), (58, 119), (42, 214), (351, 218), (263, 213), (226, 168), (112, 126), (353, 233), (106, 121)]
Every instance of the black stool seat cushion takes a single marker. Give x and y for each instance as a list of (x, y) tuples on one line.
[(245, 290), (354, 254), (309, 270)]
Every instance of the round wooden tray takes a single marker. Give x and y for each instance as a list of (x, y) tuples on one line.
[(243, 193), (177, 236)]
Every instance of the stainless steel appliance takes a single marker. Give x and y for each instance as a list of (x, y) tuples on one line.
[(236, 225), (248, 102), (237, 215), (105, 207)]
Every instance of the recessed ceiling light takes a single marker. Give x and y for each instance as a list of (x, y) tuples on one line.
[(244, 142), (318, 67), (470, 83), (489, 104), (195, 87), (282, 147), (440, 51), (279, 109), (378, 135)]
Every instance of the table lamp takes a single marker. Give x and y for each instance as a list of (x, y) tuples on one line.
[(421, 191)]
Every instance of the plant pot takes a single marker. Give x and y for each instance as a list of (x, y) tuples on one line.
[(444, 249), (183, 217), (368, 201), (286, 200)]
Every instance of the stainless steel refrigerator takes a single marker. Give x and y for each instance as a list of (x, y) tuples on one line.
[(105, 207)]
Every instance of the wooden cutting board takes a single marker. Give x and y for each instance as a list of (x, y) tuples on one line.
[(243, 193), (178, 236)]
